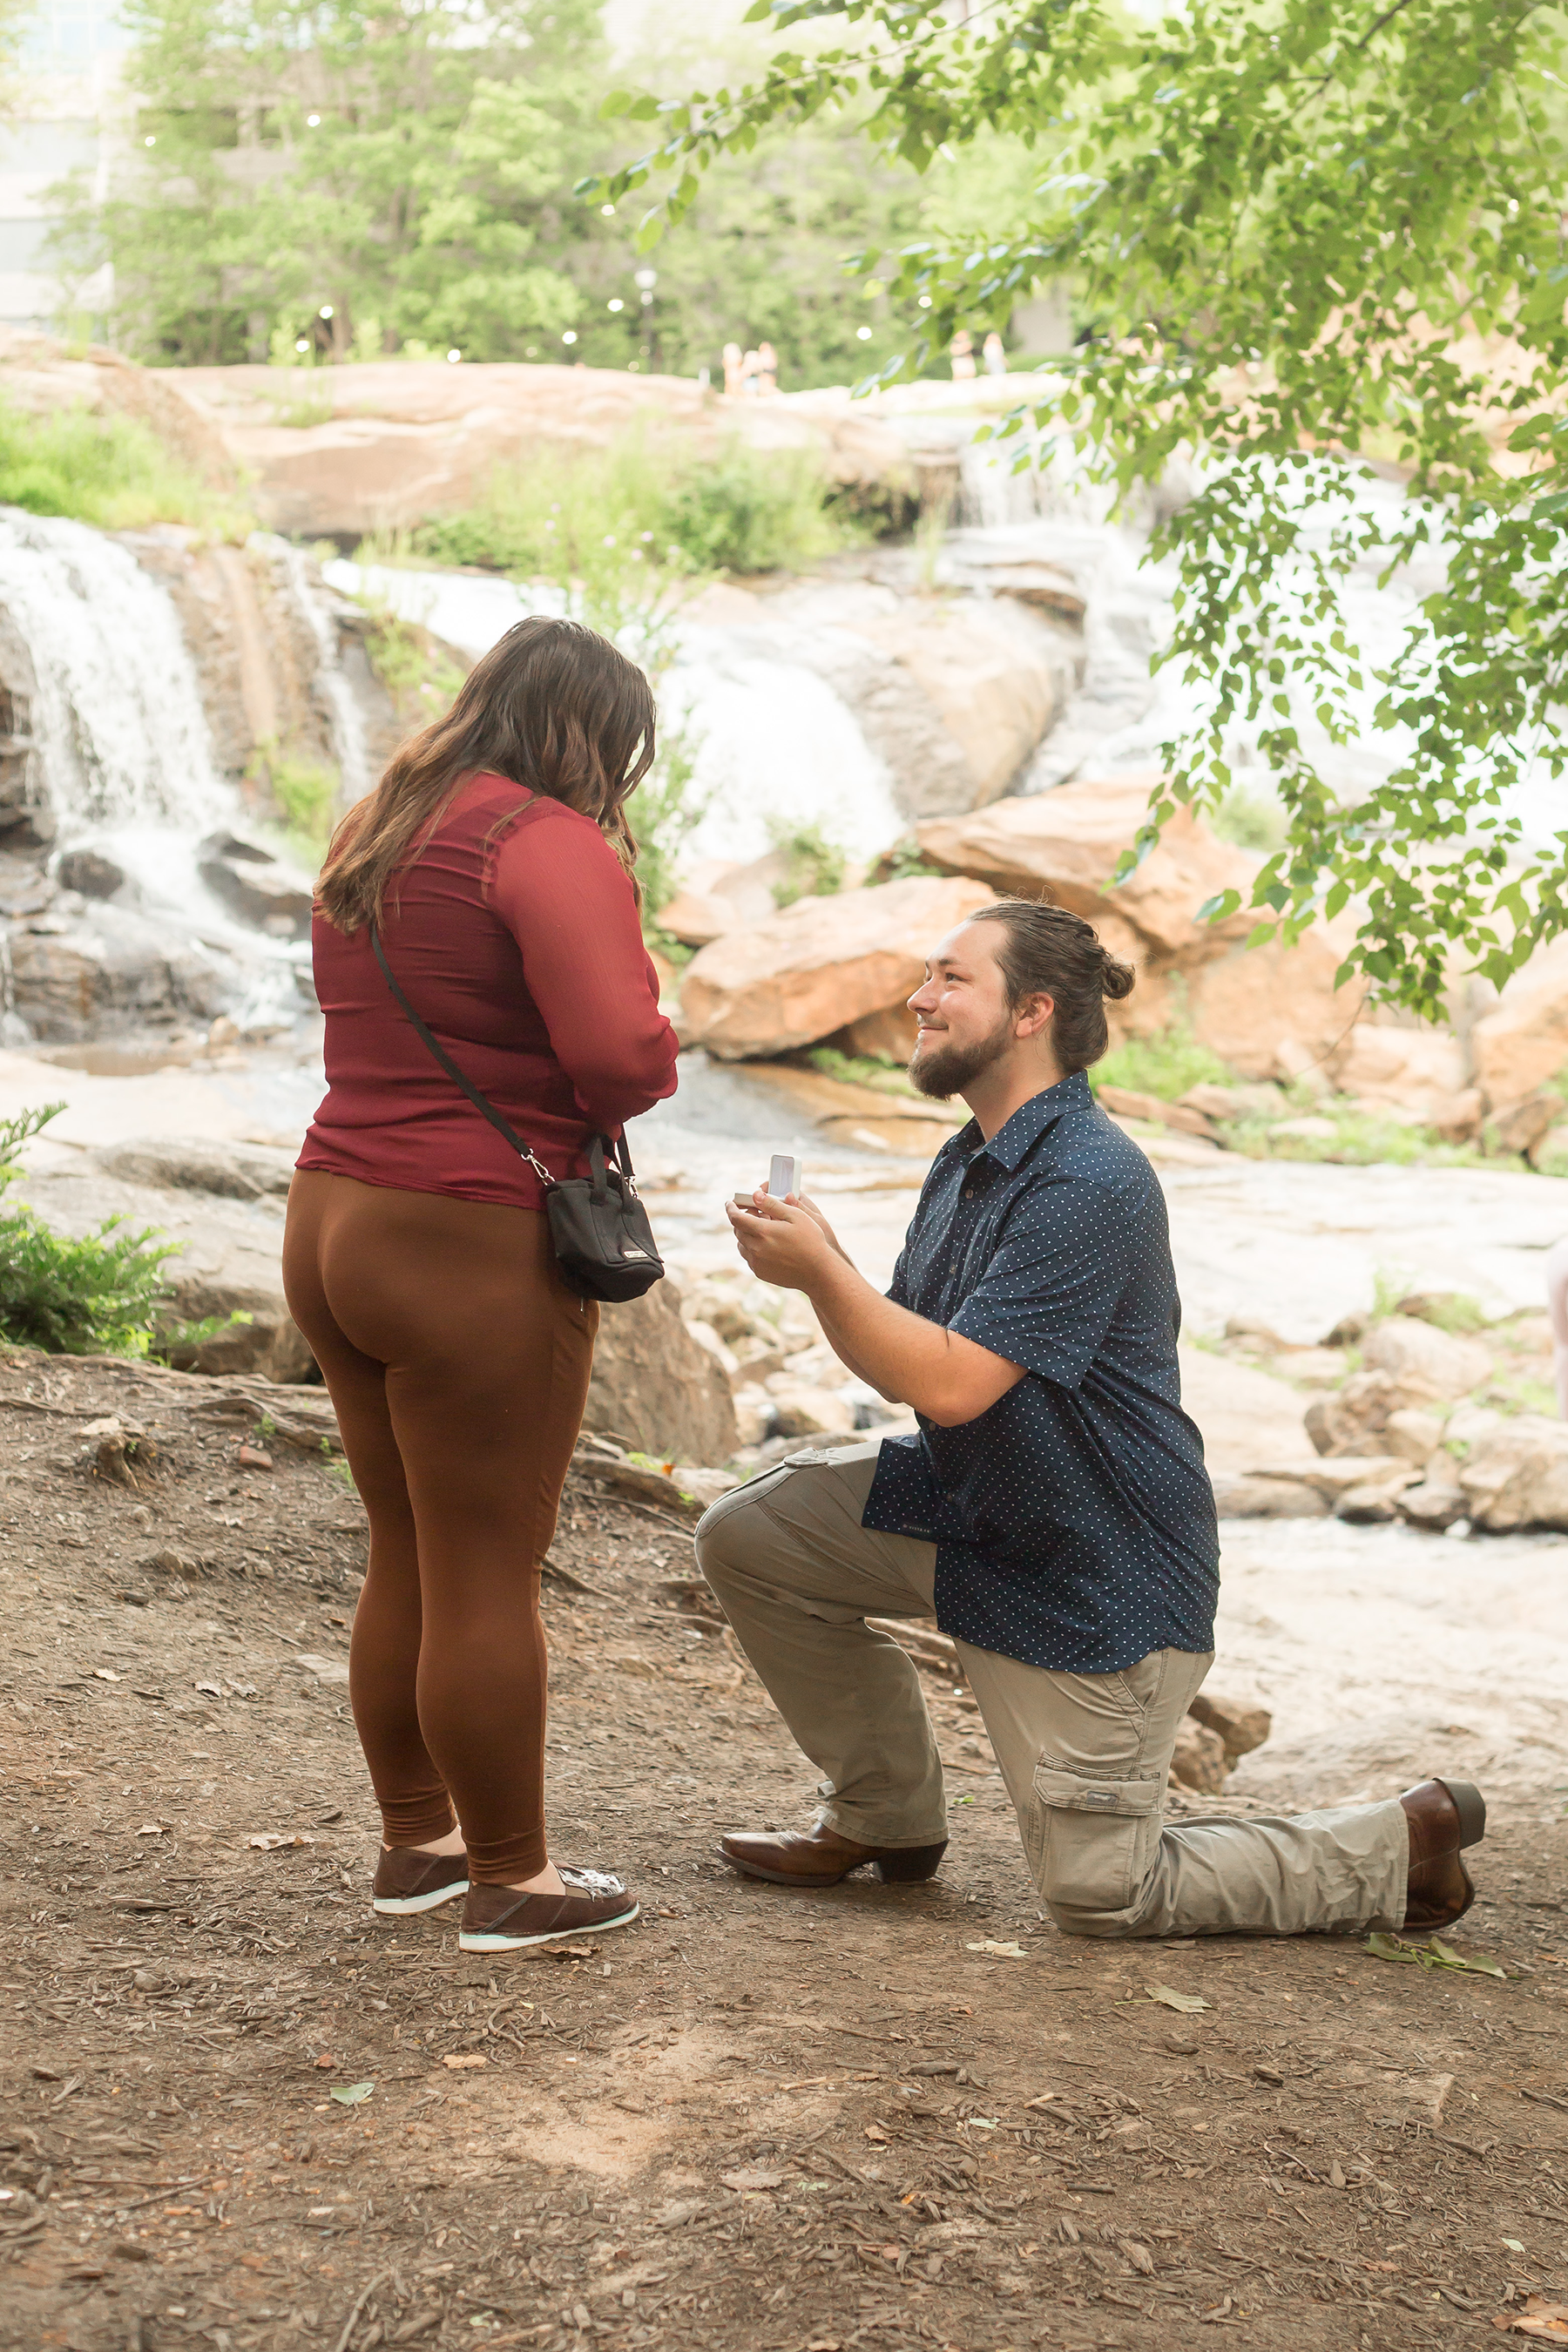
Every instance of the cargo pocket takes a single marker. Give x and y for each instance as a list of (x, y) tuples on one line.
[(1090, 1842)]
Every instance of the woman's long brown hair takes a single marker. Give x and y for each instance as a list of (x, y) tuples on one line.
[(553, 706)]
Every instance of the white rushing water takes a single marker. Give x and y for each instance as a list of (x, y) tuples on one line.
[(118, 716), (122, 736), (769, 737)]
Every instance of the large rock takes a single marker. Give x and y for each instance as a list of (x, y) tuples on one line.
[(355, 449), (798, 977), (1427, 1363), (1523, 1040), (1410, 1069), (953, 693), (1066, 844), (1517, 1475), (657, 1388), (256, 883), (1246, 1416), (232, 1171), (1274, 1011), (86, 970)]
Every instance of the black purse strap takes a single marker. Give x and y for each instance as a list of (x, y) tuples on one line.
[(619, 1152), (429, 1038)]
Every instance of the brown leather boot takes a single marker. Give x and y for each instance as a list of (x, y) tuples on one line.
[(1444, 1816), (820, 1857)]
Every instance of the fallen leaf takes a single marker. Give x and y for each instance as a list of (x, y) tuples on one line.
[(471, 2058), (875, 2132), (213, 1690), (352, 2094), (104, 1675), (999, 1951), (743, 2182), (573, 1951), (1139, 2256), (326, 2059), (326, 1670), (268, 1840), (1547, 2321), (1431, 1953), (150, 1829), (1169, 1997)]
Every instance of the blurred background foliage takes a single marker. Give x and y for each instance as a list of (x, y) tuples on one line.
[(367, 178)]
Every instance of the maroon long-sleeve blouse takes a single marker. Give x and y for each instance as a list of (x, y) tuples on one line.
[(515, 936)]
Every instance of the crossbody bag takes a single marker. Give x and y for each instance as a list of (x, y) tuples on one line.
[(604, 1242)]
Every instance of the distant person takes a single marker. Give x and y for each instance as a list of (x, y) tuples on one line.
[(961, 351), (494, 857), (733, 371), (767, 370), (1557, 1308), (1052, 1510), (751, 374), (993, 354)]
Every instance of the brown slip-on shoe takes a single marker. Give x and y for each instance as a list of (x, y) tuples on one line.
[(1444, 1816), (820, 1857), (503, 1920), (408, 1879)]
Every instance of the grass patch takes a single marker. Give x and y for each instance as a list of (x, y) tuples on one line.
[(305, 794), (888, 1077), (107, 470), (1354, 1136), (1164, 1064), (649, 498), (815, 864), (416, 669), (93, 1296), (1250, 820)]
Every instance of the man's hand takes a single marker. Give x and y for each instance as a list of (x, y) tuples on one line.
[(800, 1200), (785, 1243)]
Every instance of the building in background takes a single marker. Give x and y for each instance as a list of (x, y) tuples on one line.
[(65, 91)]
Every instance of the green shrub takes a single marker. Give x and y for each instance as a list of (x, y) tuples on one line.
[(902, 863), (1164, 1064), (108, 471), (888, 1076), (1250, 820), (662, 812), (649, 499), (815, 864), (94, 1297)]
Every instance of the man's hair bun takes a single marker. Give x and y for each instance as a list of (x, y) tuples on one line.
[(1047, 951)]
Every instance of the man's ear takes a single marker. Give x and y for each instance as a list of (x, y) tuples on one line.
[(1033, 1016)]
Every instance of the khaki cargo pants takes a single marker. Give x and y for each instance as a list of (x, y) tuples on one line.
[(1084, 1757)]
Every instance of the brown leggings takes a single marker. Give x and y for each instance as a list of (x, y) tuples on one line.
[(458, 1362)]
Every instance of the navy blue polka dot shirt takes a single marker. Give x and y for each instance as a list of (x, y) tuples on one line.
[(1074, 1521)]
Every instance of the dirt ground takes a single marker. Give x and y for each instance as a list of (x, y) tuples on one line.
[(240, 2110)]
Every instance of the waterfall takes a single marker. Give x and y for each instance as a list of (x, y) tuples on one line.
[(345, 719), (118, 716)]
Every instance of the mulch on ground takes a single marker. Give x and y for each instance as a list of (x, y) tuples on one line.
[(238, 2110)]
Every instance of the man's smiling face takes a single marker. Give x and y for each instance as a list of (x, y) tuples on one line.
[(965, 1019)]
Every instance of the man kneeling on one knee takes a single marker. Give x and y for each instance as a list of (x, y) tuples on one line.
[(1053, 1510)]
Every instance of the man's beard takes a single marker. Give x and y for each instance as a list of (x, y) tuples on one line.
[(951, 1068)]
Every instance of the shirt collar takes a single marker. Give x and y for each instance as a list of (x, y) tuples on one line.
[(1011, 1144)]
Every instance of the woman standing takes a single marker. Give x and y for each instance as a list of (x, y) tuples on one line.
[(494, 858)]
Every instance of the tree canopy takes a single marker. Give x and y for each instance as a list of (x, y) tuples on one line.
[(1314, 241), (371, 176)]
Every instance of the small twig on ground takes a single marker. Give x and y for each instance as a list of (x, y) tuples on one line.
[(352, 2321)]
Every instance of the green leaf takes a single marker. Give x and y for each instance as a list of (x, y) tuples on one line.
[(615, 101), (1431, 1954), (353, 2094)]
